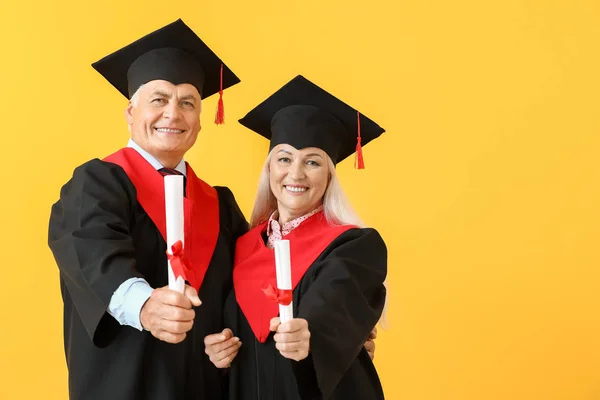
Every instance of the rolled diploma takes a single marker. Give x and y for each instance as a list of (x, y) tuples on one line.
[(174, 214), (283, 269)]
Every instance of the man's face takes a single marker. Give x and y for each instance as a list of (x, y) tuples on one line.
[(164, 119)]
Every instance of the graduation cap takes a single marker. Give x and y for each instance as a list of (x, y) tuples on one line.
[(302, 115), (173, 53)]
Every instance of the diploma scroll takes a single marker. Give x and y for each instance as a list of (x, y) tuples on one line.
[(283, 268), (174, 214)]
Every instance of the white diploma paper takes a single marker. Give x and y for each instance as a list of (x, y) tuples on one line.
[(174, 214), (283, 268)]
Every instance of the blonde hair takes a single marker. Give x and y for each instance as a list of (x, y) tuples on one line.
[(336, 207)]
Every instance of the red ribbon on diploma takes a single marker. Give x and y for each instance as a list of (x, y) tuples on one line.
[(179, 263), (281, 296)]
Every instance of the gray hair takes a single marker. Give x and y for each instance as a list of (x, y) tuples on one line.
[(135, 99)]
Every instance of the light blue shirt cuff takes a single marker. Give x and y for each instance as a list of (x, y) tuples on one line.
[(127, 301)]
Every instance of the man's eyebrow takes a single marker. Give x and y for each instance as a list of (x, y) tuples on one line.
[(160, 93), (188, 97)]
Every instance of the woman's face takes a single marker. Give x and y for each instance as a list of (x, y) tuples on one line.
[(298, 179)]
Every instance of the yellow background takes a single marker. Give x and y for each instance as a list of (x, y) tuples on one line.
[(485, 186)]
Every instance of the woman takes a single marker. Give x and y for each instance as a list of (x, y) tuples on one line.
[(338, 267)]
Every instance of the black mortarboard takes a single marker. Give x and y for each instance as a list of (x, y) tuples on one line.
[(302, 114), (173, 53)]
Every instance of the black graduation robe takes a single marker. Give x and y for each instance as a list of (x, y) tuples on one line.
[(101, 236), (337, 275)]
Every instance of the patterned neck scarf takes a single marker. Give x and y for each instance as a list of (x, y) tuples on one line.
[(277, 232)]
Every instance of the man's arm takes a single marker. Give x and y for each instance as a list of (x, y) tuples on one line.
[(127, 301), (91, 243)]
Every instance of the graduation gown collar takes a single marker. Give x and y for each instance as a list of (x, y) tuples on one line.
[(254, 267)]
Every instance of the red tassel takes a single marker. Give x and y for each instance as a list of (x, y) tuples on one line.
[(220, 115), (359, 154)]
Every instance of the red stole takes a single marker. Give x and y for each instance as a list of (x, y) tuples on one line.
[(254, 267), (201, 208)]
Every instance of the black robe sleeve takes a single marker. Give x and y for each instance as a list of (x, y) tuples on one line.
[(91, 242), (343, 302), (237, 221)]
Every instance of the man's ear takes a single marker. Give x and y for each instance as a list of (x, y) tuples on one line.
[(129, 113)]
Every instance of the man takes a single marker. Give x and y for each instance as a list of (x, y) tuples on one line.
[(128, 337)]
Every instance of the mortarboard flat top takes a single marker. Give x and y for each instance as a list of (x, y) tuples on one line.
[(173, 53), (302, 115)]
